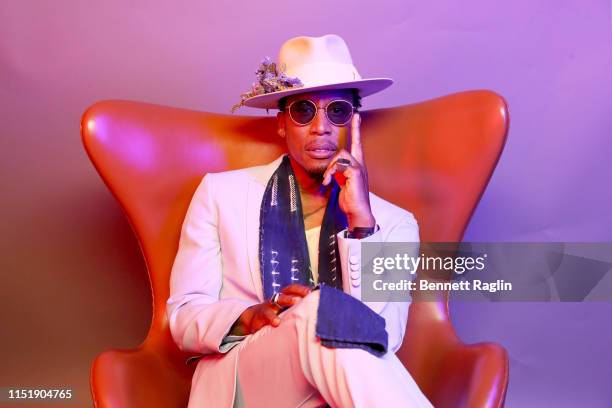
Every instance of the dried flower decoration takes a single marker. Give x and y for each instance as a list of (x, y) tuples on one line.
[(269, 79)]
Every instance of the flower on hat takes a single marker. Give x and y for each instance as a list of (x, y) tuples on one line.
[(269, 79)]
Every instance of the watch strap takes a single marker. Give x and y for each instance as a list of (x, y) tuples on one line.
[(361, 232)]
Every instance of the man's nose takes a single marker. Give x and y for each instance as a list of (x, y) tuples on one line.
[(320, 124)]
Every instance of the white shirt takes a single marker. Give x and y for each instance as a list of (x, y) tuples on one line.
[(312, 240)]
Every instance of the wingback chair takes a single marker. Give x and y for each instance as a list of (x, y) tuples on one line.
[(433, 158)]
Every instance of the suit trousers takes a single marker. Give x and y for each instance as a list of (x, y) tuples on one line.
[(286, 366)]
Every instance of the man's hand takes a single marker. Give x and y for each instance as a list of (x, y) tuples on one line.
[(354, 197), (263, 314)]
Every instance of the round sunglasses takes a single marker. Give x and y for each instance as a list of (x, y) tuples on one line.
[(338, 111)]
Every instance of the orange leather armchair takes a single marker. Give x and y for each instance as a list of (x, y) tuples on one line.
[(433, 158)]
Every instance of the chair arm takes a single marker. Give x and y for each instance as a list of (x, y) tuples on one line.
[(143, 377), (449, 372), (473, 375)]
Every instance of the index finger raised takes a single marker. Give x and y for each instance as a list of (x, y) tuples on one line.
[(356, 148)]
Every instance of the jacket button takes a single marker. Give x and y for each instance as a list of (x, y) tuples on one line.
[(355, 275), (354, 267), (354, 259), (355, 282)]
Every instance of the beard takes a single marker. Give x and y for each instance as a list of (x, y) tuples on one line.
[(317, 174), (316, 171)]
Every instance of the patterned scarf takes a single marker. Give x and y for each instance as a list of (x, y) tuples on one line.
[(283, 253)]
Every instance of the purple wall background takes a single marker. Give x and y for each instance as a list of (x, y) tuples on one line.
[(552, 61)]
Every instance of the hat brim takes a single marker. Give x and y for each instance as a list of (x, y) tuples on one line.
[(365, 87)]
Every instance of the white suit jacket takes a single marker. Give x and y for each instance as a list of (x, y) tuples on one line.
[(216, 273)]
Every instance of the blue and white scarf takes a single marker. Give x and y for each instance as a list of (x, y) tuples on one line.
[(283, 251)]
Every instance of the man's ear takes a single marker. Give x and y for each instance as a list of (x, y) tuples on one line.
[(280, 120)]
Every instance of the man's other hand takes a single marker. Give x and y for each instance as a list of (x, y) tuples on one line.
[(263, 314)]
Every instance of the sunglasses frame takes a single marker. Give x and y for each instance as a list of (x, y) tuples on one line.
[(288, 109)]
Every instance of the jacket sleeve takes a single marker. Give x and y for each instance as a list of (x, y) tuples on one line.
[(198, 319), (394, 313)]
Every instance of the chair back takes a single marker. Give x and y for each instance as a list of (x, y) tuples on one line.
[(433, 158)]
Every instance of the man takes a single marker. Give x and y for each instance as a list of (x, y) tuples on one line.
[(255, 241)]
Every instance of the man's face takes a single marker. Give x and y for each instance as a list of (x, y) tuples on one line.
[(313, 145)]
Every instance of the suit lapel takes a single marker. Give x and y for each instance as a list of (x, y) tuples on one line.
[(256, 189)]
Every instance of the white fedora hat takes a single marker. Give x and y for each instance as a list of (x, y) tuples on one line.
[(308, 64)]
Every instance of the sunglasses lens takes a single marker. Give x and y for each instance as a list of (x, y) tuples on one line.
[(339, 112), (303, 111)]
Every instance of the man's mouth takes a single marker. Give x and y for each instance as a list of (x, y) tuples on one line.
[(321, 150)]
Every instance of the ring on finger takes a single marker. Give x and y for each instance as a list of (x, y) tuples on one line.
[(342, 164), (274, 300)]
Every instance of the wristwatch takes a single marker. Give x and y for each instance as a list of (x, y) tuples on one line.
[(361, 232)]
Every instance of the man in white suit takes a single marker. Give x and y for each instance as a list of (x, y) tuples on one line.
[(255, 241)]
